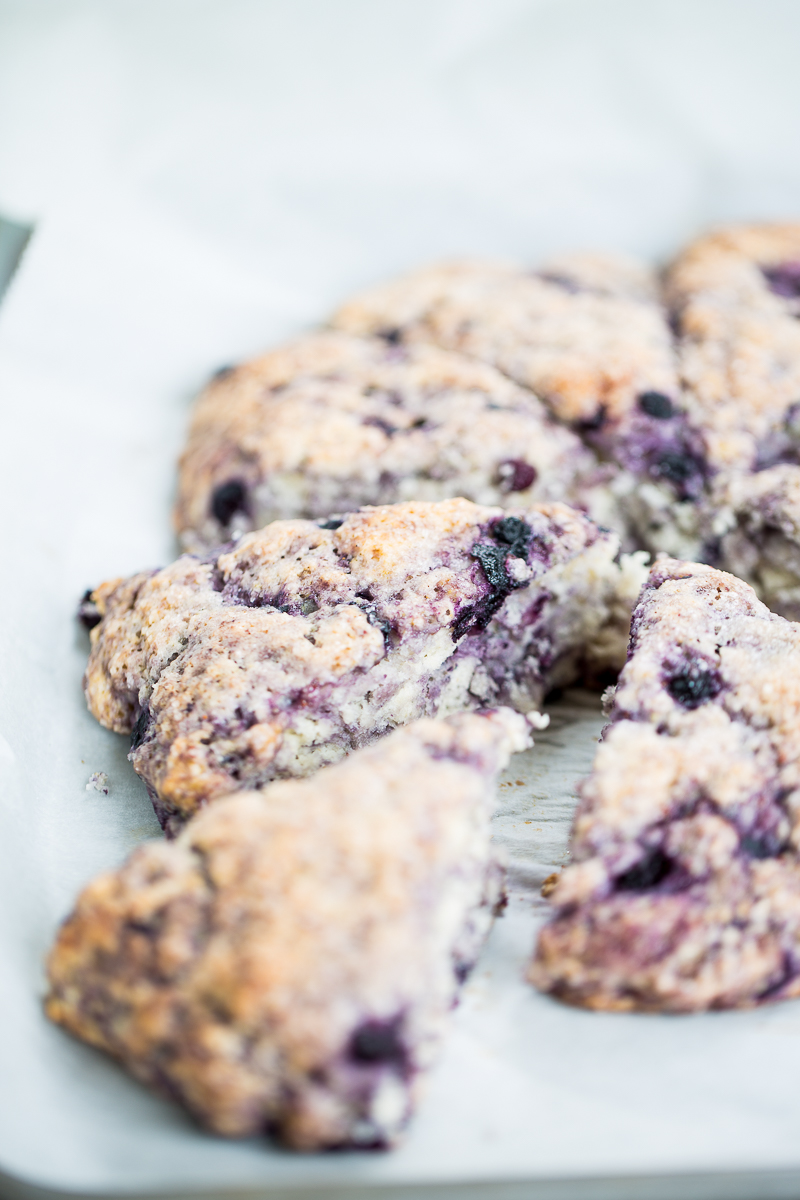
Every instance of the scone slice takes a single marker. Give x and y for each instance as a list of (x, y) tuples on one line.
[(735, 298), (289, 963), (684, 892), (588, 333), (332, 422), (303, 641), (755, 533)]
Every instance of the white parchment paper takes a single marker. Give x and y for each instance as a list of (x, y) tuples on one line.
[(211, 178)]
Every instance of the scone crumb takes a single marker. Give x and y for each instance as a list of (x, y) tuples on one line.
[(549, 885), (98, 782)]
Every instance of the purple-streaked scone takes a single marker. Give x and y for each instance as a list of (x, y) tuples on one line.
[(735, 301), (588, 334), (301, 642), (684, 891), (332, 422), (756, 522), (734, 296), (289, 963)]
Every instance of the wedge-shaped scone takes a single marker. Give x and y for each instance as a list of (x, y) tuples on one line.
[(332, 422), (757, 520), (735, 299), (289, 963), (302, 642), (684, 893), (588, 334)]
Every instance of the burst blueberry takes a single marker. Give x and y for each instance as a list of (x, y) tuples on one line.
[(645, 874), (228, 499)]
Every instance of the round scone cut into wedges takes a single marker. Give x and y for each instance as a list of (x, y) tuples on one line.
[(289, 963), (587, 333), (684, 891), (301, 642), (332, 422)]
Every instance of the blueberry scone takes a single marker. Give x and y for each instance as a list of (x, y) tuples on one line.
[(735, 299), (333, 422), (284, 651), (588, 334), (757, 520), (288, 964), (734, 296), (684, 891)]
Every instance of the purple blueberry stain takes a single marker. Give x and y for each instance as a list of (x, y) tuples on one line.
[(784, 279), (462, 972), (656, 405), (228, 499), (393, 335), (515, 475)]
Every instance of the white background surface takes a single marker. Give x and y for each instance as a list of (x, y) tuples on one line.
[(207, 179)]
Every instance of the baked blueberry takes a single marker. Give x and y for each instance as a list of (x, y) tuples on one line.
[(693, 684), (516, 475), (377, 1041), (736, 290), (227, 500)]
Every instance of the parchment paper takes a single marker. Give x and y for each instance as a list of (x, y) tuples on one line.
[(209, 179)]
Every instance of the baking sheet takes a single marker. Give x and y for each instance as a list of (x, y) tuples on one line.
[(210, 179)]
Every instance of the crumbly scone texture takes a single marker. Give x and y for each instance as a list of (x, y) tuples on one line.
[(756, 520), (332, 422), (735, 300), (301, 642), (684, 893), (587, 333), (289, 963)]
